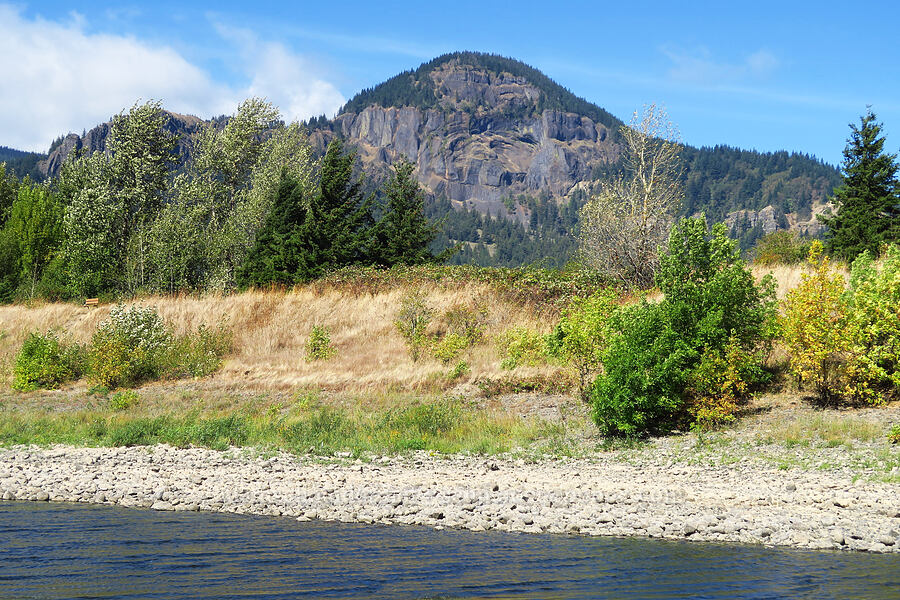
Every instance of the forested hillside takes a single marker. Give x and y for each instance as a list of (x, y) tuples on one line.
[(507, 157)]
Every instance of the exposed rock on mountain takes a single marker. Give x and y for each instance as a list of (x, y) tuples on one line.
[(483, 140), (95, 140)]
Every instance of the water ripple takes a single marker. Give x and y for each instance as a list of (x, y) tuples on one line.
[(57, 551)]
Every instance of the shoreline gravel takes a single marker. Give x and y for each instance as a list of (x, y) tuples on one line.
[(743, 503)]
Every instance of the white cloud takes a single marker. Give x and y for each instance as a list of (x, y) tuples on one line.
[(57, 78), (700, 67), (289, 81)]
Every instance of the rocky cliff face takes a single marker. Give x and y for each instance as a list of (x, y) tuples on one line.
[(484, 143)]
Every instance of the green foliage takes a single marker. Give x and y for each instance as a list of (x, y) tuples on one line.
[(111, 199), (46, 361), (521, 346), (875, 322), (196, 354), (338, 228), (844, 342), (123, 400), (274, 257), (318, 345), (403, 234), (781, 248), (894, 435), (710, 303), (579, 338), (29, 239), (461, 369), (868, 202), (721, 382), (448, 347), (412, 321), (467, 321), (129, 346)]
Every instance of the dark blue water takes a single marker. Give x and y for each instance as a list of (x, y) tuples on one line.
[(79, 551)]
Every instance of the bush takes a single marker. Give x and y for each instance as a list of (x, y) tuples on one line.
[(45, 361), (448, 348), (197, 354), (710, 302), (467, 322), (318, 345), (720, 383), (411, 322), (894, 435), (815, 326), (580, 337), (522, 346), (873, 369), (781, 248), (129, 346), (123, 400)]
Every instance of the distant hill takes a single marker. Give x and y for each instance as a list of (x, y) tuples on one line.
[(508, 156), (22, 163)]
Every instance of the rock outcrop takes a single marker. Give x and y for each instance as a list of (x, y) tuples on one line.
[(96, 140)]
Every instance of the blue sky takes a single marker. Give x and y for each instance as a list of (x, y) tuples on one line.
[(763, 75)]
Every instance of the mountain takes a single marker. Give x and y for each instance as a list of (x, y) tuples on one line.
[(22, 163), (497, 138), (508, 156)]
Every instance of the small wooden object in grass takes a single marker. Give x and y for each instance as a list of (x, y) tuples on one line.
[(91, 302)]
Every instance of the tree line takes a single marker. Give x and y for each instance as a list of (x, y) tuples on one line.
[(252, 206)]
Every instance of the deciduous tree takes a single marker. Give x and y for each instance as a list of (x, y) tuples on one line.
[(624, 224)]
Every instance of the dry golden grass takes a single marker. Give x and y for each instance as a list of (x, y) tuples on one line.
[(271, 329), (789, 276)]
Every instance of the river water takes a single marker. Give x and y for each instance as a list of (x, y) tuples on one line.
[(50, 550)]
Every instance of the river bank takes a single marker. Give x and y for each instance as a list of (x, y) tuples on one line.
[(744, 502)]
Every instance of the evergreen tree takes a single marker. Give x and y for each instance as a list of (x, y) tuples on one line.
[(404, 233), (337, 230), (868, 205), (273, 259)]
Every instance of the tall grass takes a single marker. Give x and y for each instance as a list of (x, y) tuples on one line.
[(305, 427)]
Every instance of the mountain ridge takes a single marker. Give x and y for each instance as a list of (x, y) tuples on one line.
[(492, 135)]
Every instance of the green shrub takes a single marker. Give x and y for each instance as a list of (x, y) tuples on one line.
[(129, 346), (645, 367), (894, 435), (720, 383), (197, 354), (461, 369), (580, 337), (873, 368), (412, 321), (815, 328), (448, 348), (845, 342), (468, 322), (781, 248), (710, 301), (45, 361), (318, 345), (522, 346), (123, 400)]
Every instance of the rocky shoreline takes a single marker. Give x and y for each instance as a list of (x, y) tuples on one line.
[(595, 496)]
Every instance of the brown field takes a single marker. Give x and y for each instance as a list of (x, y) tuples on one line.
[(271, 329)]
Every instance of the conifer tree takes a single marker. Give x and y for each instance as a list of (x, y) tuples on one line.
[(404, 233), (337, 230), (273, 258), (867, 204)]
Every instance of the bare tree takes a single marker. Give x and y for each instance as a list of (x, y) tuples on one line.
[(628, 218)]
